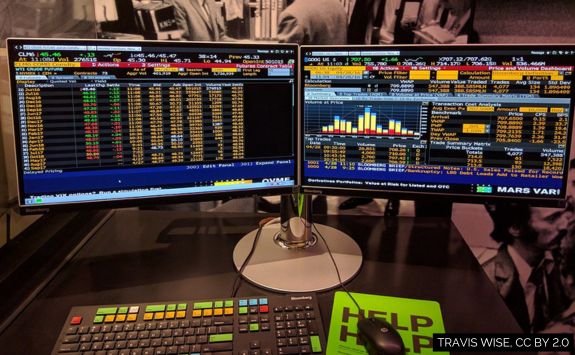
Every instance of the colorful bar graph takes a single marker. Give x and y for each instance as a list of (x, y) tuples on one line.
[(367, 125)]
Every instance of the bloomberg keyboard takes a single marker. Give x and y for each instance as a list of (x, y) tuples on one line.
[(275, 325)]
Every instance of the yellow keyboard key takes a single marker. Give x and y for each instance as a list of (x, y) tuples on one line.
[(121, 318), (218, 311), (170, 315), (159, 315), (197, 313), (109, 318), (229, 311), (208, 312), (181, 314), (148, 316), (132, 317)]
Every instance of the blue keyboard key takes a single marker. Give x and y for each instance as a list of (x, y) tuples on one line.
[(253, 302), (243, 303), (263, 301)]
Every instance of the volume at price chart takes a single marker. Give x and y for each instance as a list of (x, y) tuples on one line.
[(401, 120)]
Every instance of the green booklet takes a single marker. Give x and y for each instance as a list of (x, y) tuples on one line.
[(415, 320)]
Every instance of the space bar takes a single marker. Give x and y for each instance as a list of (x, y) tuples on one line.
[(215, 347)]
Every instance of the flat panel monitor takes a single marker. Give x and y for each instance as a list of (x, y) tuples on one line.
[(119, 122), (470, 123)]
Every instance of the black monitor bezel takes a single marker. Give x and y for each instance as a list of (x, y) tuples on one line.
[(430, 196), (140, 201)]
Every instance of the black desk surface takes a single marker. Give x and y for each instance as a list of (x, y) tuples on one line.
[(151, 256)]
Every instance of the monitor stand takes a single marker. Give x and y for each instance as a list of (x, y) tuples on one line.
[(291, 257)]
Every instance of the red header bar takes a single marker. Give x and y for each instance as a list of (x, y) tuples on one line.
[(182, 65), (466, 67)]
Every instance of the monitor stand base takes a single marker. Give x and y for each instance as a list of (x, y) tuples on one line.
[(306, 269)]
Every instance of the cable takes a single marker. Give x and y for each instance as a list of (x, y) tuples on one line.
[(336, 268), (237, 281)]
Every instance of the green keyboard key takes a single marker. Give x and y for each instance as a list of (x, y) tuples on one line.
[(122, 310), (229, 303), (182, 306), (98, 319), (219, 304), (106, 311), (254, 327), (171, 307), (219, 338), (156, 308), (243, 310), (315, 344), (203, 305)]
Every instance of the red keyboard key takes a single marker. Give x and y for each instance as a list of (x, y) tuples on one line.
[(76, 320), (264, 309)]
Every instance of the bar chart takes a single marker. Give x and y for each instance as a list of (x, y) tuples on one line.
[(388, 120)]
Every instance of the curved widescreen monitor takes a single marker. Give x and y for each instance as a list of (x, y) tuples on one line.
[(470, 123), (118, 122)]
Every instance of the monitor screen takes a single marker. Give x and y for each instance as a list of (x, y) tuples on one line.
[(119, 121), (471, 123)]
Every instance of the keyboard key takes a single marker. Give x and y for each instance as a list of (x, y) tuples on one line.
[(288, 350), (71, 330), (170, 315), (83, 330), (212, 330), (68, 348), (223, 321), (203, 305), (315, 344), (218, 338), (215, 347), (155, 308), (76, 320), (226, 329), (106, 311), (184, 349)]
